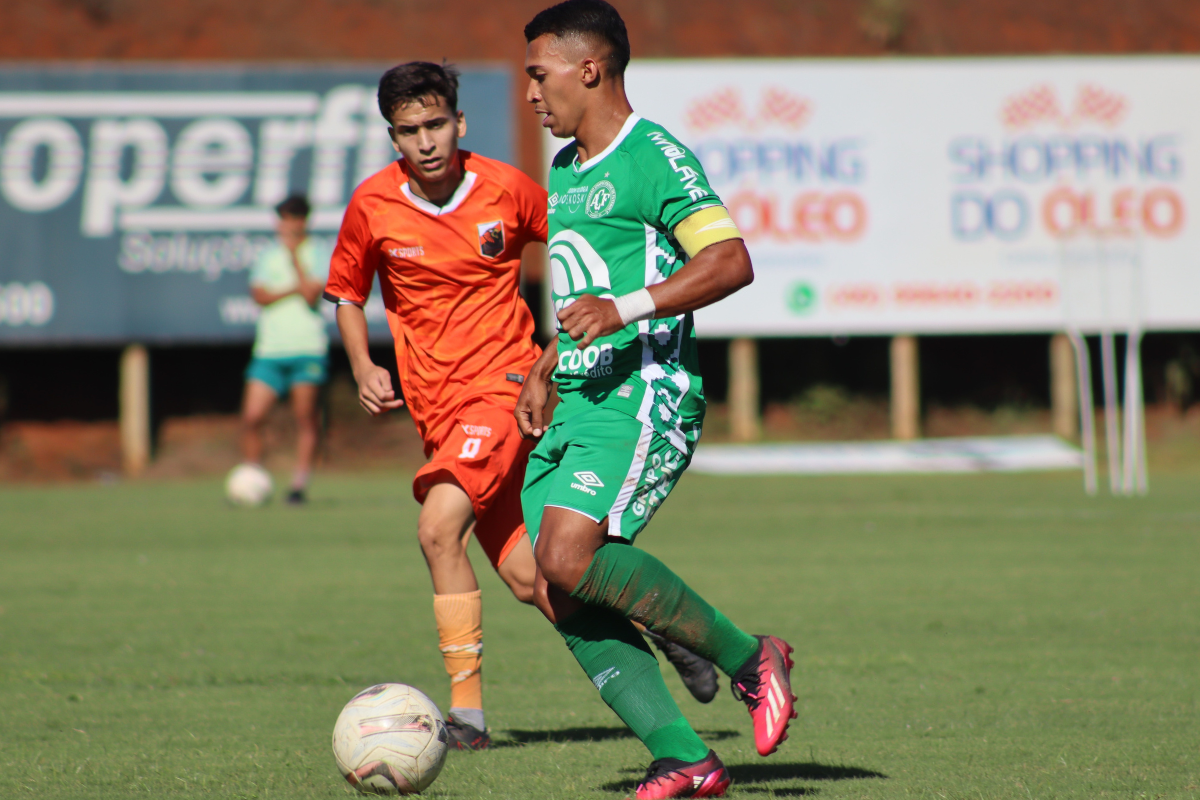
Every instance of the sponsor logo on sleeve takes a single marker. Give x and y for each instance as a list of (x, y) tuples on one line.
[(688, 176)]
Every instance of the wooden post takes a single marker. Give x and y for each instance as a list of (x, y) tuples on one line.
[(906, 388), (744, 424), (1064, 399), (135, 409)]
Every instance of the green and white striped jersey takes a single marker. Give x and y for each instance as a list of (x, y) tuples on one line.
[(611, 222)]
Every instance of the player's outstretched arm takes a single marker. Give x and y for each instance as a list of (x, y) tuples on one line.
[(714, 273), (375, 392), (535, 393)]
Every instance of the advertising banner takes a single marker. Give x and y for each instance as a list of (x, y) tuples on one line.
[(134, 200), (949, 195)]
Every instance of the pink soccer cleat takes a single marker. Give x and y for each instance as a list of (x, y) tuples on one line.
[(764, 684), (670, 777)]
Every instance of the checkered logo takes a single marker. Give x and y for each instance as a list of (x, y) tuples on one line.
[(1040, 104), (725, 107)]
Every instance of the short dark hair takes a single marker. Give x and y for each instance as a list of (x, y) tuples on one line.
[(417, 81), (294, 205), (594, 18)]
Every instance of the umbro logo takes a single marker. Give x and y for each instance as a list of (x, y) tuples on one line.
[(552, 200), (588, 482), (589, 479)]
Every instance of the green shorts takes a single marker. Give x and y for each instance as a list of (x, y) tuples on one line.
[(602, 464), (283, 373)]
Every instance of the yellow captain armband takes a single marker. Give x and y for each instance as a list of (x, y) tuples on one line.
[(707, 226)]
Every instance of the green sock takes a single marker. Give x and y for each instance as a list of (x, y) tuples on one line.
[(640, 587), (618, 661)]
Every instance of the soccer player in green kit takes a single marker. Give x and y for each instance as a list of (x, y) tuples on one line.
[(638, 241)]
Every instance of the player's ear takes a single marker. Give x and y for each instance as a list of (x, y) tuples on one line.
[(589, 73), (462, 124), (392, 136)]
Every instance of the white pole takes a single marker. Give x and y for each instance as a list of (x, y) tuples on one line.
[(1135, 477), (1130, 450), (1087, 415), (1143, 472), (1112, 424)]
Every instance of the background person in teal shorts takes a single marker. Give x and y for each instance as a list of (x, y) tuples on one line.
[(291, 347)]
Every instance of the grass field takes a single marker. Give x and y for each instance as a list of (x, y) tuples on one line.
[(958, 637)]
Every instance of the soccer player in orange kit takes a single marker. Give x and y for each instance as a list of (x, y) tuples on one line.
[(444, 230)]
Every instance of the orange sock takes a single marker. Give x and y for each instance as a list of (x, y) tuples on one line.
[(460, 634)]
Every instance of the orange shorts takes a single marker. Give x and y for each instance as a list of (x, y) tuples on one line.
[(486, 456)]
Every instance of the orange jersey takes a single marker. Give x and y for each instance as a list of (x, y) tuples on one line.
[(450, 279)]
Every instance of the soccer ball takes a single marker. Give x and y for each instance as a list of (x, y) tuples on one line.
[(390, 739), (248, 485)]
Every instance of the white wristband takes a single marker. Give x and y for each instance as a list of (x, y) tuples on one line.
[(635, 306)]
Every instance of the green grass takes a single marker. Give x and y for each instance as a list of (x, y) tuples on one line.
[(958, 637)]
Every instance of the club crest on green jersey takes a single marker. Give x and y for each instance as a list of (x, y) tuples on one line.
[(601, 199)]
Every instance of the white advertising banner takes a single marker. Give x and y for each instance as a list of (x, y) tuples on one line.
[(950, 195)]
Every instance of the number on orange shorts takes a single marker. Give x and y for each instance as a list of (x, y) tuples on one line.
[(470, 448)]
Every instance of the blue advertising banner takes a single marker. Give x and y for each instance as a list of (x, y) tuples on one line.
[(134, 200)]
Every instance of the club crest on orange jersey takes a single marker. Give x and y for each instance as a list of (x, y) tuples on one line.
[(491, 238)]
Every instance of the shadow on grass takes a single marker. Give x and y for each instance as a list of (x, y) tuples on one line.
[(808, 771), (519, 738), (747, 776)]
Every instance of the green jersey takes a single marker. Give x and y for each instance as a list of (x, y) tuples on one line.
[(290, 327), (611, 222)]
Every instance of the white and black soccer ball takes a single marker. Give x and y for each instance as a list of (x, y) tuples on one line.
[(248, 485), (390, 739)]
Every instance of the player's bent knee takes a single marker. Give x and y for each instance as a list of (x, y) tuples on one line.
[(437, 539), (541, 599), (521, 586), (562, 567), (518, 570), (566, 545), (523, 592)]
